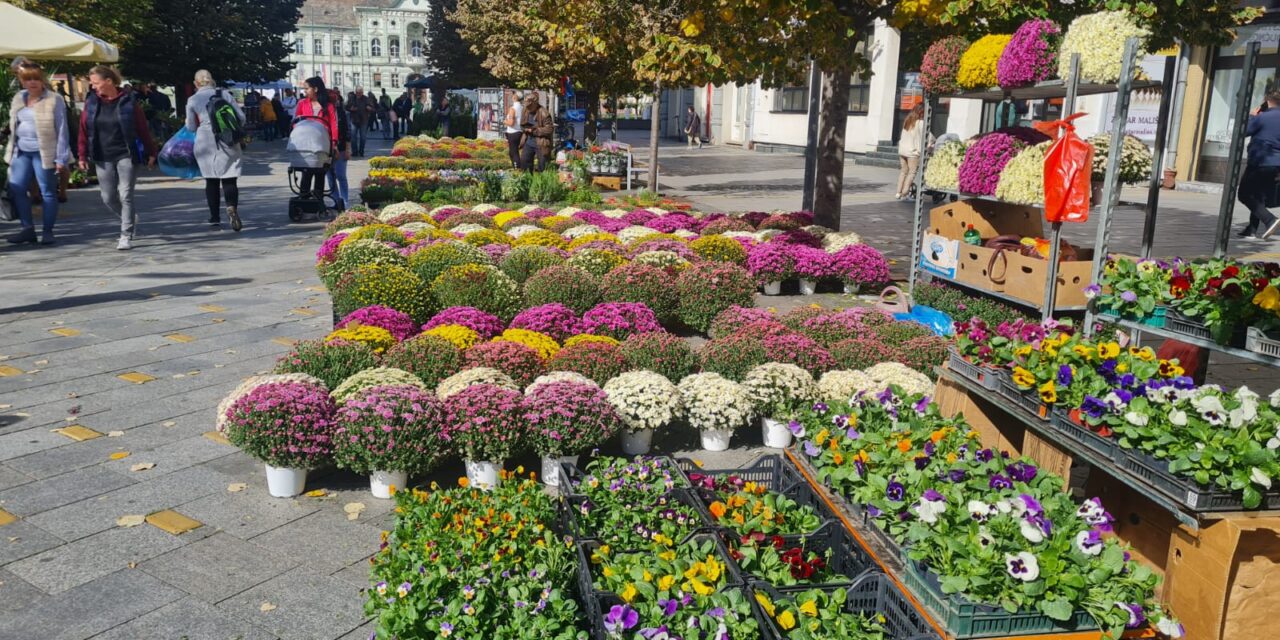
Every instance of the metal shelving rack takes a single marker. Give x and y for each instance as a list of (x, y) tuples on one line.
[(1069, 91)]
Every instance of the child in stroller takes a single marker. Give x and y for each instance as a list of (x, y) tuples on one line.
[(309, 151)]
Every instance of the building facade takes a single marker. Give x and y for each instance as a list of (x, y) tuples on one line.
[(375, 44)]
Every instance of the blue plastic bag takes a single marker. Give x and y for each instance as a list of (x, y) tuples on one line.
[(178, 156), (937, 322)]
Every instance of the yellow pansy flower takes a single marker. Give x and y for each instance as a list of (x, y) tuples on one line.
[(1108, 350), (1049, 392), (821, 437), (809, 608), (629, 593), (765, 603), (1023, 378), (787, 621), (666, 582)]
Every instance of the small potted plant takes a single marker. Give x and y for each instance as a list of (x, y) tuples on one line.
[(716, 407), (389, 433), (288, 426), (770, 263), (565, 418), (811, 265), (778, 390), (484, 424), (646, 401)]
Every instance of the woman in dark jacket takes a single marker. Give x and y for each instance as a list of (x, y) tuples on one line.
[(114, 135), (338, 168)]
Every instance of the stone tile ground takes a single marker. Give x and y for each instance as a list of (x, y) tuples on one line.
[(197, 310)]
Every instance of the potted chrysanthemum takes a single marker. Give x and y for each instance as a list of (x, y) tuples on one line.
[(565, 418), (484, 424), (288, 426), (389, 433), (777, 389), (716, 407), (646, 401)]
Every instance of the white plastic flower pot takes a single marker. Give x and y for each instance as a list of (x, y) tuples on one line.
[(850, 290), (773, 288), (635, 443), (285, 482), (808, 287), (716, 439), (776, 434), (380, 482), (483, 474), (551, 471)]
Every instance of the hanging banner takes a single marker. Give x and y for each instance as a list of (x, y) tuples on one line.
[(491, 111)]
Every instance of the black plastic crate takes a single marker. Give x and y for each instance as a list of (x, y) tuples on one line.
[(1176, 322), (847, 559), (774, 472), (600, 604), (1183, 489), (1025, 400), (872, 594), (986, 377), (1061, 420), (571, 475), (966, 619), (571, 507)]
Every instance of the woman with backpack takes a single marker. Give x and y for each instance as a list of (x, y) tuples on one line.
[(218, 123)]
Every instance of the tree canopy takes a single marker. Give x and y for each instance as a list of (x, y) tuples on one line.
[(447, 54)]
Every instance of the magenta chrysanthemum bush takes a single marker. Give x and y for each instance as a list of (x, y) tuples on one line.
[(329, 250), (554, 319), (484, 422), (566, 418), (446, 213), (620, 320), (539, 213), (284, 424), (646, 284), (811, 263), (520, 362), (639, 217), (980, 170), (860, 265), (770, 262), (496, 251), (391, 428), (672, 222), (398, 323), (780, 221), (599, 361), (797, 236), (733, 319), (1031, 56), (724, 225), (485, 324), (941, 63), (802, 351)]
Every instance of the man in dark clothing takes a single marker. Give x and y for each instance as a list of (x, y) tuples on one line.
[(1263, 166), (360, 107), (403, 106), (384, 115), (693, 127), (161, 108)]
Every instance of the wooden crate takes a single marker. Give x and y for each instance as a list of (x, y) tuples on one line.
[(612, 183)]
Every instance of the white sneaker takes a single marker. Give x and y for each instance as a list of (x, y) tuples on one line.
[(124, 244)]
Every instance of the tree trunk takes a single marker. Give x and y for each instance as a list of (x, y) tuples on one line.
[(591, 129), (653, 137), (829, 185)]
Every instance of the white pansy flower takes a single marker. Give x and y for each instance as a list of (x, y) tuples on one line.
[(1136, 419), (1089, 543), (1031, 531), (1275, 398), (1022, 566), (980, 510), (1259, 477), (1178, 417), (1004, 506), (1169, 627)]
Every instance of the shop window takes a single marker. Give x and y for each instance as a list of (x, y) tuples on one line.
[(791, 99), (377, 80)]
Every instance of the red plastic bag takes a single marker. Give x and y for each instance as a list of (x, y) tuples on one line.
[(1068, 172)]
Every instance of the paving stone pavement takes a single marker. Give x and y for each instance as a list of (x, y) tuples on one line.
[(194, 311)]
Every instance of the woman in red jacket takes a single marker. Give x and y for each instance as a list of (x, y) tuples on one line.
[(315, 103)]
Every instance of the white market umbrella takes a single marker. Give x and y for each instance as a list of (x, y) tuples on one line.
[(23, 33)]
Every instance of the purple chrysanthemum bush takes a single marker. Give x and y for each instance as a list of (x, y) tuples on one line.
[(1031, 56), (568, 417), (390, 428), (284, 424)]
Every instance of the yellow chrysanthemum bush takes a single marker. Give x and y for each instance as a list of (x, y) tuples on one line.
[(376, 338), (379, 232), (431, 261), (720, 249), (388, 285), (483, 287), (505, 218), (593, 237), (545, 345), (1099, 39), (978, 64), (488, 236), (540, 238), (356, 254), (588, 337), (1022, 179), (458, 335)]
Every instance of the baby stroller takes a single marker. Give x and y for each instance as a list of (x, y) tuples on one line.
[(309, 148)]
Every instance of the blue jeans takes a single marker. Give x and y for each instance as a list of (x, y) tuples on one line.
[(25, 168), (338, 181)]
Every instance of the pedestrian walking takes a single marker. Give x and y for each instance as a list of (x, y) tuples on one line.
[(384, 115), (360, 108), (283, 116), (115, 137), (693, 127), (38, 151), (443, 115), (537, 129), (219, 159), (512, 122), (1263, 165), (316, 104), (268, 109), (338, 185), (909, 147), (290, 104), (403, 108)]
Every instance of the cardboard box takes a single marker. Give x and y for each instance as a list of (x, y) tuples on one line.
[(989, 219), (939, 255), (995, 427), (1028, 277), (1223, 582), (975, 268)]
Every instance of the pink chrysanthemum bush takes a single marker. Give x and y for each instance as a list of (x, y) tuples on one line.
[(802, 351), (598, 361), (733, 319), (940, 65), (484, 422), (398, 323), (663, 353), (645, 284), (732, 356), (706, 289), (770, 262), (486, 325), (553, 319), (860, 267), (391, 428), (431, 358), (620, 320), (520, 362), (567, 418), (567, 285), (811, 263), (284, 424), (1031, 56)]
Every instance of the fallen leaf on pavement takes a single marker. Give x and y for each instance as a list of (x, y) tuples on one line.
[(41, 362), (267, 606), (120, 455), (168, 423), (132, 565), (114, 434), (316, 493), (236, 487), (130, 521), (142, 466), (353, 510)]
